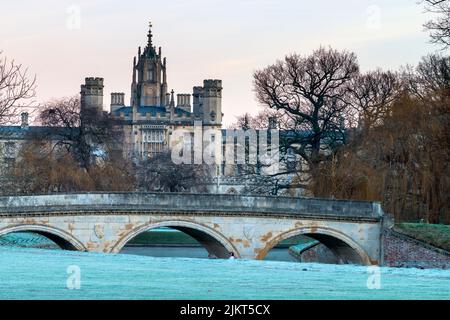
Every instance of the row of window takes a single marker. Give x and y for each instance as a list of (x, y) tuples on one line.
[(156, 136)]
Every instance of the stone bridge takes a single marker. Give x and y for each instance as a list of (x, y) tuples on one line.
[(246, 225)]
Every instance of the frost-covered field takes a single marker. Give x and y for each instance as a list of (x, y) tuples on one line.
[(43, 274)]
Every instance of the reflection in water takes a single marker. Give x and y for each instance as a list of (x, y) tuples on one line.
[(182, 252), (167, 242), (276, 254), (161, 242), (27, 240)]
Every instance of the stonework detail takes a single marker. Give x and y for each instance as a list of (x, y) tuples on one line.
[(403, 251)]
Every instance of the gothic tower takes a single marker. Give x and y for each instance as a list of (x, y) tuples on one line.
[(149, 83), (211, 102), (91, 98), (92, 94)]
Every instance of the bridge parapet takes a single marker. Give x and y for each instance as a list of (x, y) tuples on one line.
[(189, 203)]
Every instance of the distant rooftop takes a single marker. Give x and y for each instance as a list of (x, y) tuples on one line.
[(152, 110), (18, 132)]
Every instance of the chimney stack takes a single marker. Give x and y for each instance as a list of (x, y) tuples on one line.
[(272, 123), (184, 102), (117, 101), (24, 124)]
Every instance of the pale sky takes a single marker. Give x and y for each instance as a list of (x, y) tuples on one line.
[(202, 39)]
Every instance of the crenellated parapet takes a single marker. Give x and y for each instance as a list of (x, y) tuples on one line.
[(92, 87), (94, 81), (212, 88)]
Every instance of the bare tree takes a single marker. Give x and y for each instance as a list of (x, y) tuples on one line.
[(259, 121), (373, 93), (431, 76), (402, 160), (159, 173), (256, 178), (84, 135), (439, 27), (16, 89), (314, 93)]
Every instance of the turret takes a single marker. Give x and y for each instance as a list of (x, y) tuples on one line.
[(172, 99), (172, 104), (92, 96), (133, 96), (212, 102), (164, 83), (24, 124), (167, 100), (197, 101)]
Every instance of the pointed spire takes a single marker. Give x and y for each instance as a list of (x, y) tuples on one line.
[(172, 104), (172, 98), (164, 69), (150, 35), (134, 70)]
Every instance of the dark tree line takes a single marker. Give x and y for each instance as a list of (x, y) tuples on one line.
[(68, 154), (83, 151), (381, 135)]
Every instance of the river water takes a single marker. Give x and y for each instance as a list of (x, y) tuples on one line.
[(30, 273), (276, 254)]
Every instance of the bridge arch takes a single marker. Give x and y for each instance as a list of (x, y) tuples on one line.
[(214, 242), (344, 247), (63, 239)]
